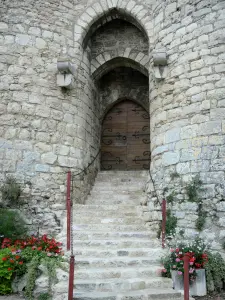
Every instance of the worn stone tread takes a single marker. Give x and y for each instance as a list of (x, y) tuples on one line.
[(144, 294)]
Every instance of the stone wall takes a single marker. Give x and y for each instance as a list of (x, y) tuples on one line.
[(123, 83), (187, 109), (45, 130)]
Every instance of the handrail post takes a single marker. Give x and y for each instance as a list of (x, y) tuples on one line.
[(186, 276), (163, 222), (71, 277), (68, 208)]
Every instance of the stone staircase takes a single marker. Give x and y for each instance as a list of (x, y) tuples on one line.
[(117, 256)]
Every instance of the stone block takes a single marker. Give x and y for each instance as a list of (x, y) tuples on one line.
[(23, 39), (34, 31), (65, 161), (200, 166), (190, 154), (172, 135), (3, 27), (183, 168), (42, 168), (217, 113), (218, 165), (189, 131), (211, 127), (49, 158), (40, 43), (170, 158)]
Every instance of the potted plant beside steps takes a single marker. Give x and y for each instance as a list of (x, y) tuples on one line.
[(174, 267)]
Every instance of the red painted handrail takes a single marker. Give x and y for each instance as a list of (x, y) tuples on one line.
[(186, 276), (71, 277), (68, 208), (163, 223)]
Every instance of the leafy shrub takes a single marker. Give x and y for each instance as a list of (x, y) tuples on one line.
[(6, 272), (21, 256), (11, 191), (171, 223), (44, 296), (215, 272), (11, 225)]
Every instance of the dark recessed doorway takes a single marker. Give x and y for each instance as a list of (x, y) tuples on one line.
[(125, 141)]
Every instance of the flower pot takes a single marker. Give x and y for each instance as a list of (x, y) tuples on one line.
[(196, 288)]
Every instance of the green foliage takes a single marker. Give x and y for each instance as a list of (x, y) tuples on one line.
[(5, 272), (31, 277), (171, 197), (193, 189), (24, 256), (200, 222), (5, 286), (11, 225), (174, 175), (44, 296), (171, 223), (215, 272), (11, 191)]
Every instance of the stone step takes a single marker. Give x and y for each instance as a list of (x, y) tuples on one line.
[(108, 227), (108, 201), (104, 213), (101, 220), (118, 244), (111, 207), (124, 173), (101, 262), (107, 186), (115, 195), (120, 179), (121, 284), (143, 294), (107, 273), (92, 235), (125, 252)]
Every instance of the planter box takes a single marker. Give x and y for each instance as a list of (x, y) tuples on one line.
[(196, 288)]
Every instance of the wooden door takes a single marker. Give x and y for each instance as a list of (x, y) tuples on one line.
[(125, 142)]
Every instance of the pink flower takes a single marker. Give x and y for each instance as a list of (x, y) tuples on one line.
[(172, 250), (164, 270), (49, 254), (179, 273), (174, 266), (191, 263), (191, 270), (177, 260)]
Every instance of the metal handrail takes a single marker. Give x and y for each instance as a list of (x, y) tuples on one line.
[(85, 169), (163, 223)]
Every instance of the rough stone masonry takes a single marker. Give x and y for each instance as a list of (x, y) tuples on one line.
[(47, 130)]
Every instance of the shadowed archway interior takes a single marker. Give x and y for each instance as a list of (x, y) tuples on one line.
[(125, 137)]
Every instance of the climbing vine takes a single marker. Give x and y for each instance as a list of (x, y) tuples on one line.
[(193, 190)]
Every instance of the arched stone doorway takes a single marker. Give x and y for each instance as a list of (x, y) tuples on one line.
[(125, 137)]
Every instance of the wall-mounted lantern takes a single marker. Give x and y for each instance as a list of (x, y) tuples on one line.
[(66, 77), (160, 63)]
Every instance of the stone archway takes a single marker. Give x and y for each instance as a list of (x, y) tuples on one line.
[(125, 137)]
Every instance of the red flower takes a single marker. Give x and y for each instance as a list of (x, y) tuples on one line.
[(17, 257), (12, 261), (4, 258), (20, 262), (177, 250), (9, 269), (39, 248)]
